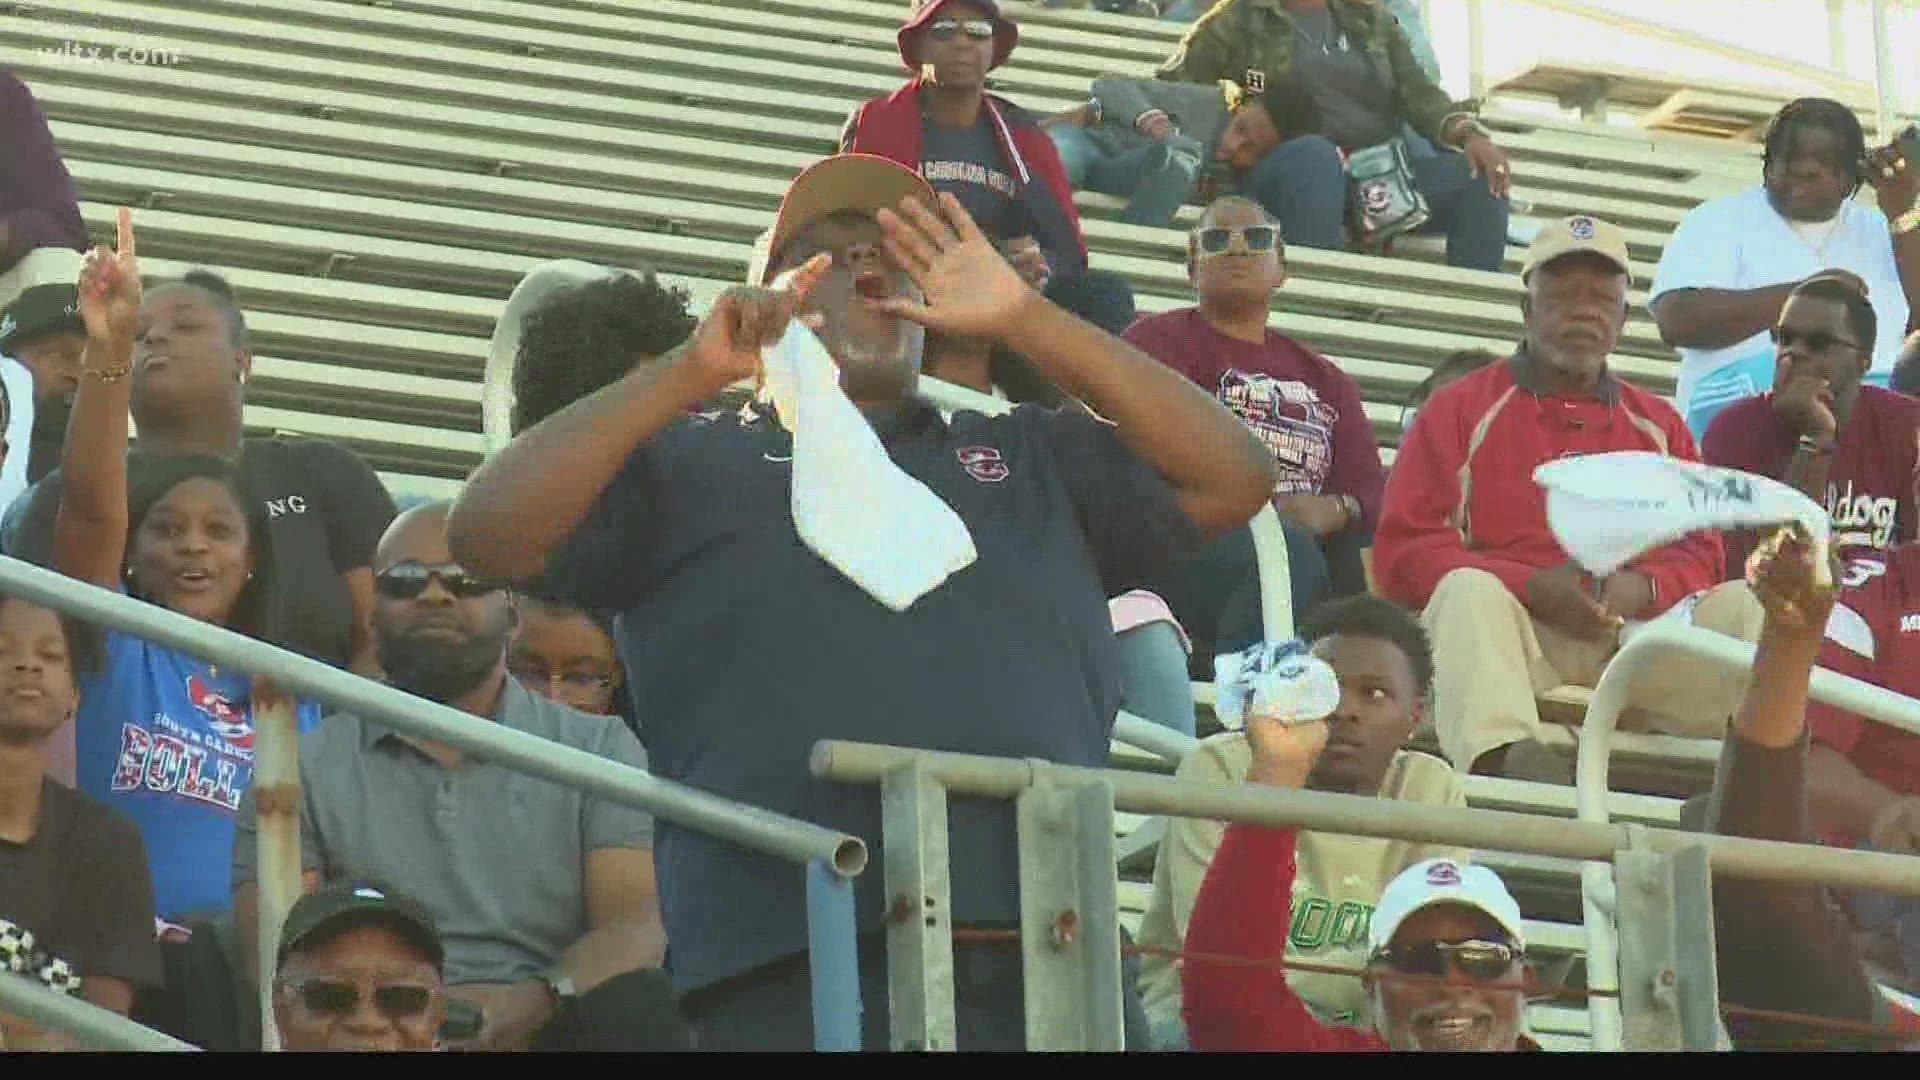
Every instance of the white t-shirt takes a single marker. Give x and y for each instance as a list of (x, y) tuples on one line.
[(1740, 242), (19, 384)]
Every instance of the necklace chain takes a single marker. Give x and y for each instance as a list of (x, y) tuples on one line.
[(1333, 35)]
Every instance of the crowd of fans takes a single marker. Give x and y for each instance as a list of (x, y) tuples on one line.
[(635, 575)]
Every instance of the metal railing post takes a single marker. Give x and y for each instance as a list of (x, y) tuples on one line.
[(1476, 52), (833, 953), (913, 816), (1837, 35), (276, 789), (1069, 914), (1883, 71), (1610, 698), (95, 1027), (1162, 742), (1276, 584), (1669, 990)]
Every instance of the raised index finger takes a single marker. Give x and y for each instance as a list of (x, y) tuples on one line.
[(125, 245)]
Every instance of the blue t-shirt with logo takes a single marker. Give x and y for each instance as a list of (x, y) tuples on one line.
[(167, 739)]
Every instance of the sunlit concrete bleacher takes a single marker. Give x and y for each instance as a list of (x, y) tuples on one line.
[(374, 178)]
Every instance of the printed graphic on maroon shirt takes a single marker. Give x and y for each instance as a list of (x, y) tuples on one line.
[(1291, 420)]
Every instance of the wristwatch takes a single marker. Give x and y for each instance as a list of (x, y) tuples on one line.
[(1907, 222), (1352, 508)]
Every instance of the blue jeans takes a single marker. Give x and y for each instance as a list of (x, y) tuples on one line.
[(1303, 183), (1153, 177), (1153, 677)]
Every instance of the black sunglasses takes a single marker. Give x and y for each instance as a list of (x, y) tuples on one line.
[(1818, 341), (948, 29), (340, 997), (1481, 961), (1259, 238), (404, 581)]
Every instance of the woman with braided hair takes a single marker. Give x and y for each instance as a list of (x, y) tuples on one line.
[(1728, 270)]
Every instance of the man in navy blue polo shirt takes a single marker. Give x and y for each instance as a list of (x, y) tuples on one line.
[(743, 647)]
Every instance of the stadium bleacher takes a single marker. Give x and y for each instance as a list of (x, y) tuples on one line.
[(374, 178)]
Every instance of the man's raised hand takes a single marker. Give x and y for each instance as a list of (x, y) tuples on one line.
[(969, 289), (725, 347), (109, 287)]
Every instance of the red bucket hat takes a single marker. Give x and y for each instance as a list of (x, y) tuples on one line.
[(1006, 34)]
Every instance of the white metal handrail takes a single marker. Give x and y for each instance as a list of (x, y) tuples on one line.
[(1610, 698)]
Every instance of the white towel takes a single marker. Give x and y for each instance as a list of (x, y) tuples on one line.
[(852, 506), (1607, 509)]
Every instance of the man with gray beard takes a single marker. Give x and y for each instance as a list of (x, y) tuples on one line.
[(544, 896)]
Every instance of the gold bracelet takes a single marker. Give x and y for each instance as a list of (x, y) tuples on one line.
[(107, 375), (1907, 222)]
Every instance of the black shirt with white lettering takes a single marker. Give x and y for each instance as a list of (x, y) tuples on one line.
[(745, 648), (80, 886), (325, 513)]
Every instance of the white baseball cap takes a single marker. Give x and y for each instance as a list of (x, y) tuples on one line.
[(1443, 881)]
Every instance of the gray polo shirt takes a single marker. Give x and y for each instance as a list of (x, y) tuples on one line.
[(498, 856)]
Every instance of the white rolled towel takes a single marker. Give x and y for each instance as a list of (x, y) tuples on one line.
[(884, 530)]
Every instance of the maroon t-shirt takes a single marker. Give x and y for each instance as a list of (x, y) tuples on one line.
[(1873, 482), (1306, 410), (1888, 610)]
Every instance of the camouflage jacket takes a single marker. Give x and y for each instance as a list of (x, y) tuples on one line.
[(1250, 43)]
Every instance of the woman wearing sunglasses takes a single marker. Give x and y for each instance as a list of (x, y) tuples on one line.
[(160, 735), (1302, 406)]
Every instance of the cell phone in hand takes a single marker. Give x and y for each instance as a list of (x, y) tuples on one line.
[(464, 1021)]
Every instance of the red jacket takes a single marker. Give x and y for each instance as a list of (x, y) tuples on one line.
[(890, 127), (1461, 493), (1244, 910)]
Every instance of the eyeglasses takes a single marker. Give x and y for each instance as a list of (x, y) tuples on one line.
[(332, 997), (1481, 961), (1816, 341), (404, 581), (948, 29), (574, 682), (1259, 238)]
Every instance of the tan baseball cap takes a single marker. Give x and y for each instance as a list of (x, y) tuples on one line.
[(1571, 235), (863, 182)]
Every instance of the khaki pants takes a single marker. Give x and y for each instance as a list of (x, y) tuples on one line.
[(1492, 659)]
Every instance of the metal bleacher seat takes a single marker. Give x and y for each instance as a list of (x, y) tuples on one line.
[(324, 141)]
